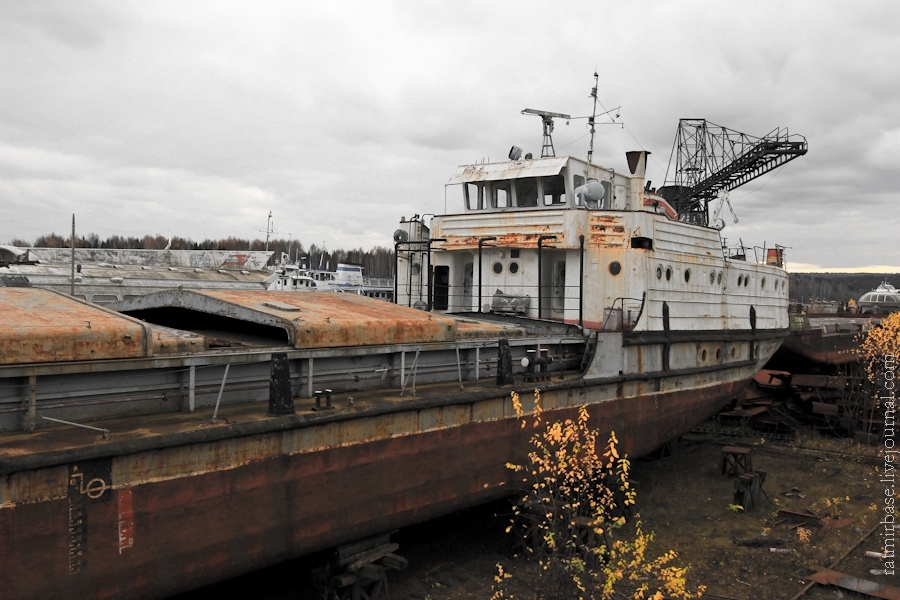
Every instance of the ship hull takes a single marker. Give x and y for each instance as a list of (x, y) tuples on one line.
[(169, 519)]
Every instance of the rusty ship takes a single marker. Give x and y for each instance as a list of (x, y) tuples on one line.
[(168, 441)]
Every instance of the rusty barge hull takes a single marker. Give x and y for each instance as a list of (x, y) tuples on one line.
[(168, 498), (151, 519)]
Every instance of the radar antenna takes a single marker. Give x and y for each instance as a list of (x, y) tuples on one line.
[(547, 118), (712, 158)]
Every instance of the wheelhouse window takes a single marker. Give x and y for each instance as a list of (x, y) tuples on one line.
[(554, 189), (475, 195), (501, 194), (577, 182), (526, 191)]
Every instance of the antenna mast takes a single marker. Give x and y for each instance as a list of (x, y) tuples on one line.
[(593, 115), (270, 228)]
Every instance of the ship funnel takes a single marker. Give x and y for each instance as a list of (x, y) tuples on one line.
[(637, 162)]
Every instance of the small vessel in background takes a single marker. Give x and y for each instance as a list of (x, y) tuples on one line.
[(883, 300), (348, 278)]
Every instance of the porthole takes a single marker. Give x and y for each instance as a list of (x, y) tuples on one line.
[(746, 280), (668, 273), (615, 268), (712, 277), (718, 354), (513, 267), (703, 355), (719, 278), (740, 280), (733, 352), (498, 268), (687, 276), (762, 283), (659, 272)]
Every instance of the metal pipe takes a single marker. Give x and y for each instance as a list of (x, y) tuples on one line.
[(480, 245), (72, 285), (396, 268), (580, 280), (105, 432), (221, 389), (32, 402), (191, 393), (459, 368), (540, 291)]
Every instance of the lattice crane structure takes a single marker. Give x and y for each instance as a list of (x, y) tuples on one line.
[(711, 158)]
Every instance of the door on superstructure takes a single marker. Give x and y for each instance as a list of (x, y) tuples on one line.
[(553, 284), (468, 284), (558, 290), (441, 288)]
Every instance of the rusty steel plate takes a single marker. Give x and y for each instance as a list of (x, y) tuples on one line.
[(39, 326)]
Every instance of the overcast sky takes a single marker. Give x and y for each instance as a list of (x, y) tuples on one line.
[(198, 118)]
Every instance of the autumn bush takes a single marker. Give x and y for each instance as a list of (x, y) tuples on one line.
[(574, 520)]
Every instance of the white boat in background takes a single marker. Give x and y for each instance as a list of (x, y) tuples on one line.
[(348, 278)]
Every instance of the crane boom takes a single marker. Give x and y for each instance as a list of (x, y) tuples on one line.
[(711, 158)]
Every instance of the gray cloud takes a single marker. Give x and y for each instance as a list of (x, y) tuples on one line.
[(201, 117)]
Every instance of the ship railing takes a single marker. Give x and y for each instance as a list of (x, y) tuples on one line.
[(212, 385), (624, 313)]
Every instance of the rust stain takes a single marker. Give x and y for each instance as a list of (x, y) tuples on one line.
[(126, 519)]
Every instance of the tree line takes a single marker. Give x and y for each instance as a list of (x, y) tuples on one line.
[(376, 262)]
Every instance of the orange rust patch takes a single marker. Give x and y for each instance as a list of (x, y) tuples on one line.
[(42, 326)]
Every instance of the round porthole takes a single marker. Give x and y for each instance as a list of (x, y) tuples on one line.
[(687, 276), (615, 268), (659, 272), (498, 268), (668, 273), (513, 267)]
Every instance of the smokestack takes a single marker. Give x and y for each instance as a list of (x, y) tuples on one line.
[(637, 162)]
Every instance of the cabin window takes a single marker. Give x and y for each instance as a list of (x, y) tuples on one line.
[(500, 194), (475, 196), (554, 188), (526, 191), (441, 288), (514, 253)]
